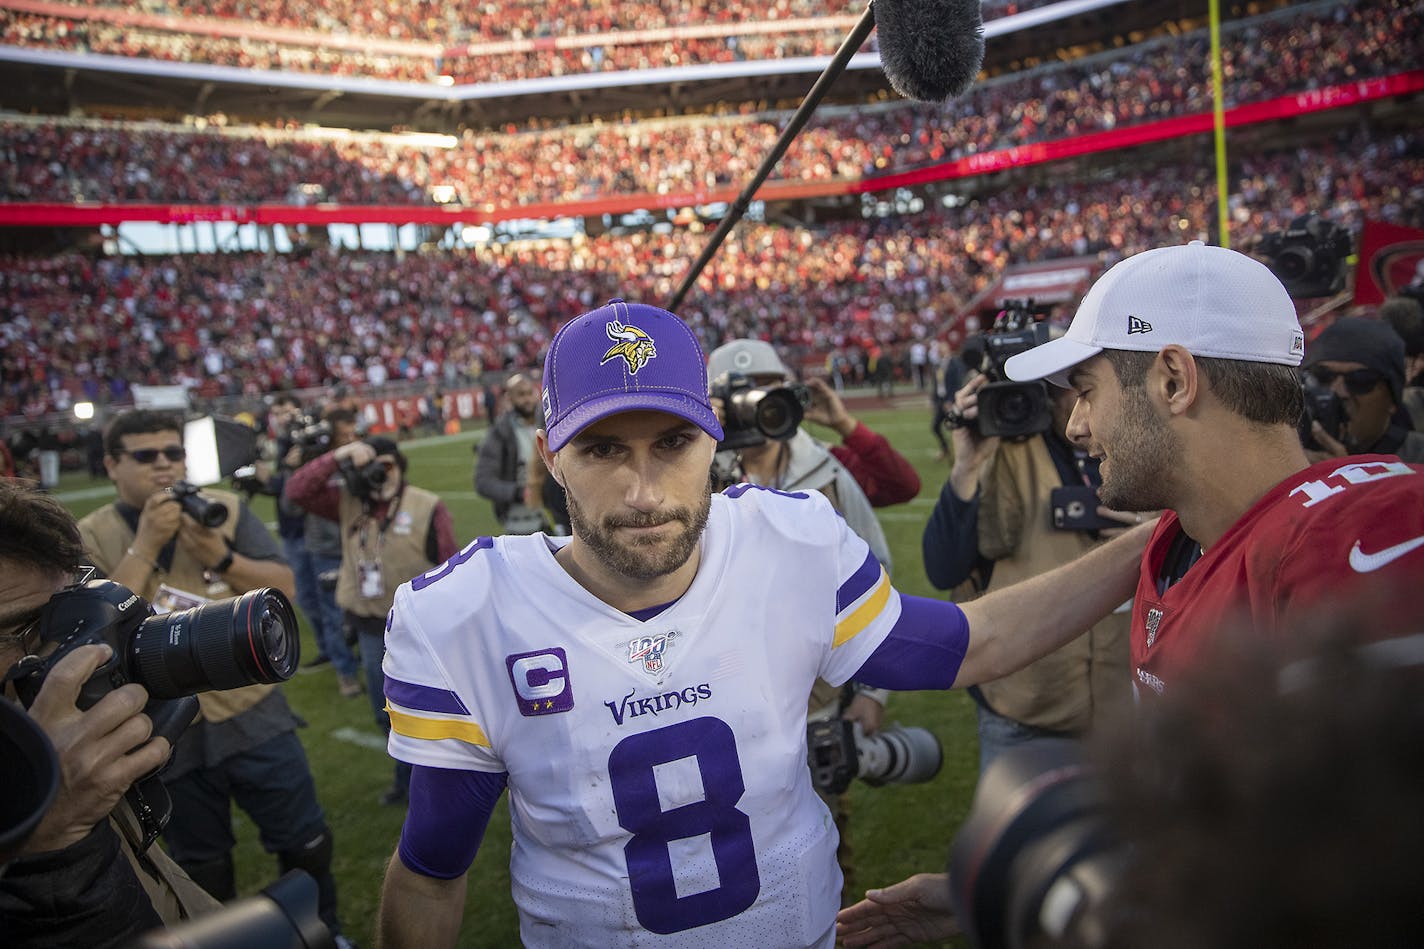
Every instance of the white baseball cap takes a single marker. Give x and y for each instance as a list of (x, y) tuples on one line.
[(1212, 301), (750, 357)]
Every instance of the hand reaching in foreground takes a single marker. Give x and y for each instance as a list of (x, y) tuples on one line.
[(913, 910)]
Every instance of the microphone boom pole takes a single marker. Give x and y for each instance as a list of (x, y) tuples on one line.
[(803, 114)]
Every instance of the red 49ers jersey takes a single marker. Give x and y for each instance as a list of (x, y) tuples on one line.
[(1347, 533)]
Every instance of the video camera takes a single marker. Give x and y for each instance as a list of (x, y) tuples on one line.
[(224, 645), (1308, 257), (1008, 409), (838, 750), (311, 435), (753, 414)]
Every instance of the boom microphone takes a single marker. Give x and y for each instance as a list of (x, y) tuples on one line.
[(931, 50)]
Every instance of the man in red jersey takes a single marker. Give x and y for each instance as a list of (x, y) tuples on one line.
[(1183, 360), (1184, 363)]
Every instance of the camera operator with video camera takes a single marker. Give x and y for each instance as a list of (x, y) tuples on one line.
[(78, 878), (391, 531), (156, 541), (313, 544), (761, 410), (1015, 506), (1354, 392)]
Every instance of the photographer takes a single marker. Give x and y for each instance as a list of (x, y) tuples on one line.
[(1361, 363), (804, 463), (391, 531), (244, 747), (313, 544), (862, 472), (79, 879), (506, 456), (993, 523)]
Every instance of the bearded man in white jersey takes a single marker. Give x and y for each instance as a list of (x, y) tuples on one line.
[(641, 687)]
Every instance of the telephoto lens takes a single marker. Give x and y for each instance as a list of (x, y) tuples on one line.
[(226, 645)]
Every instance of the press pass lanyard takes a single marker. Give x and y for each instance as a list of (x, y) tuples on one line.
[(368, 566)]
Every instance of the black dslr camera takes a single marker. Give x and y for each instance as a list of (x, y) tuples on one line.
[(1007, 409), (366, 482), (1308, 257), (753, 414), (224, 645), (205, 512)]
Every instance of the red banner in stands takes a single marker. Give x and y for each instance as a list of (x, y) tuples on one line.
[(1332, 97), (1391, 258), (407, 414), (1318, 100)]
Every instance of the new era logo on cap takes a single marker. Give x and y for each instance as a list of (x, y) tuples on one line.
[(1136, 324), (654, 363)]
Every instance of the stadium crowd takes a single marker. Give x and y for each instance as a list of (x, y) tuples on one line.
[(73, 160), (78, 327), (467, 64), (424, 23), (435, 22)]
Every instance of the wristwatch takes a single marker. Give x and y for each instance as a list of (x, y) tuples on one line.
[(222, 565)]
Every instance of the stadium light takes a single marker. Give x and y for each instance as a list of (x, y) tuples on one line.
[(84, 411)]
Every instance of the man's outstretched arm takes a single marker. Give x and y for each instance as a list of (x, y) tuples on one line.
[(935, 644), (1011, 627)]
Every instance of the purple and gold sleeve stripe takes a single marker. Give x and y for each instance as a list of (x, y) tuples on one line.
[(861, 600), (406, 700)]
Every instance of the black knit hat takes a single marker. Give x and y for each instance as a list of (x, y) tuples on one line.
[(1369, 342)]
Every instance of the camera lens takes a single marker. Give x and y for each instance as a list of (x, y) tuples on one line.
[(1294, 263), (778, 414), (205, 512), (217, 646), (1016, 407)]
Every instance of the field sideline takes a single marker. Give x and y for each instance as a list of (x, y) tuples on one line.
[(896, 830)]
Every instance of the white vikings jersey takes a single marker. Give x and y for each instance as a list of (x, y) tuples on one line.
[(659, 792)]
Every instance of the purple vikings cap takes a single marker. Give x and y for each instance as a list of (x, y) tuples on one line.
[(623, 357)]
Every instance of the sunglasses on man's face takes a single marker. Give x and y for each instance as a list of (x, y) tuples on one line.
[(147, 456), (1357, 381)]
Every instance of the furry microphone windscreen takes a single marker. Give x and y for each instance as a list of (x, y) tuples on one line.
[(931, 50)]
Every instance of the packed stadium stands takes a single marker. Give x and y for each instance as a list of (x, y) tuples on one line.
[(80, 328), (68, 160)]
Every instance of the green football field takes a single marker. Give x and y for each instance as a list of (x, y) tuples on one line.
[(895, 830)]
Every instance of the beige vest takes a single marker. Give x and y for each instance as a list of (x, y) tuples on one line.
[(107, 538), (1075, 686), (399, 549)]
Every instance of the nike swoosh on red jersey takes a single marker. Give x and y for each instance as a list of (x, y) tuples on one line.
[(1365, 563)]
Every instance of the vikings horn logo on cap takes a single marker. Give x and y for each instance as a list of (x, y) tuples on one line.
[(635, 346)]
